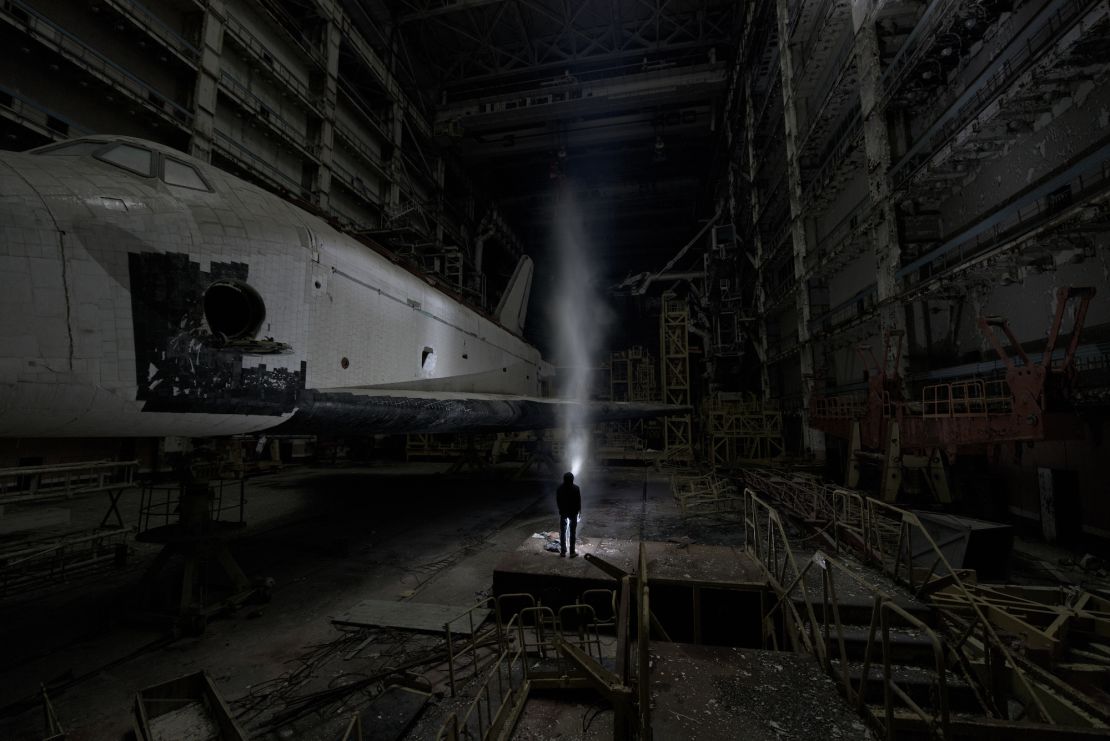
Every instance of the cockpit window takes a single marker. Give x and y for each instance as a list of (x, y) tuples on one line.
[(71, 149), (130, 157), (183, 175)]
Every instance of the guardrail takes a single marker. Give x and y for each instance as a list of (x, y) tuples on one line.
[(529, 654), (94, 62), (543, 648), (896, 541), (765, 539), (768, 544), (64, 481)]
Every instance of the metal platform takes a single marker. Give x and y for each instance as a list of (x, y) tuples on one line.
[(710, 692), (700, 593)]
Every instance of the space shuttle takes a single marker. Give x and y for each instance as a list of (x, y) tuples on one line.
[(144, 293)]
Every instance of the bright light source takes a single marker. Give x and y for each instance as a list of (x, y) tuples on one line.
[(581, 318)]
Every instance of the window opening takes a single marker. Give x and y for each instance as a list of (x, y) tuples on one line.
[(182, 175), (136, 159)]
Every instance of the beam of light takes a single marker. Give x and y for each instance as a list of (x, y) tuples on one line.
[(581, 319)]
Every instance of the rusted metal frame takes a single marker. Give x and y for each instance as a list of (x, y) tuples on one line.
[(828, 592), (51, 725), (987, 325), (618, 573), (510, 693), (502, 633), (643, 656), (472, 643), (1063, 297), (775, 528), (1065, 700), (988, 701), (612, 595), (992, 637), (1047, 625), (586, 642), (622, 629), (541, 642), (938, 657), (784, 599), (828, 564), (843, 501), (607, 683), (928, 577)]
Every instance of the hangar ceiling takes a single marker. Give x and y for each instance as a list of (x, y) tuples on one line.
[(617, 96)]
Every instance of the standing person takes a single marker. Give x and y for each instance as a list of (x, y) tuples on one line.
[(569, 498)]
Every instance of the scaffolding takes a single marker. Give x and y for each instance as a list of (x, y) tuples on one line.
[(742, 428), (632, 375), (674, 346)]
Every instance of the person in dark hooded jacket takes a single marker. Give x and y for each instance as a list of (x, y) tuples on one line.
[(569, 498)]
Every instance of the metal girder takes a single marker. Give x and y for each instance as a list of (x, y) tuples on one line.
[(630, 91), (474, 41), (424, 10)]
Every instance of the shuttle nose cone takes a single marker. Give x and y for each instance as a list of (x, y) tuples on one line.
[(34, 323)]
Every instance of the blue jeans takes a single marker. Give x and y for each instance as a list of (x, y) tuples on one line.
[(563, 517)]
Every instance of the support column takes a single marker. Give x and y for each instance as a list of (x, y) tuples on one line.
[(441, 181), (395, 168), (674, 351), (326, 89), (757, 244), (208, 75), (883, 225), (813, 440)]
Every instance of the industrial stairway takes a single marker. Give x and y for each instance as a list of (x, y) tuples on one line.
[(914, 669), (900, 667)]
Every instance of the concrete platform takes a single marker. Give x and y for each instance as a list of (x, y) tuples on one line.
[(710, 693), (700, 593)]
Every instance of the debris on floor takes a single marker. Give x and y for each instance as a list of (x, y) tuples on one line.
[(185, 709), (412, 616), (392, 713)]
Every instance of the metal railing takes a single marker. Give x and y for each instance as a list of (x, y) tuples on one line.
[(261, 167), (240, 34), (475, 641), (159, 504), (143, 16), (64, 481), (528, 652), (542, 647), (823, 635), (94, 62), (896, 541), (844, 406), (765, 539), (500, 696), (264, 112), (61, 559), (962, 399)]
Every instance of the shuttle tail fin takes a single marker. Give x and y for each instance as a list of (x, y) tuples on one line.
[(513, 307)]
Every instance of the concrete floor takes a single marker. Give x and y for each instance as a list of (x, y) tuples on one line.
[(329, 538)]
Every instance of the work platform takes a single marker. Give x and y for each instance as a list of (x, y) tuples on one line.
[(714, 692), (700, 593)]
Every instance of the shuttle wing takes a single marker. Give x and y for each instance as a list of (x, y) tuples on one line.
[(363, 410)]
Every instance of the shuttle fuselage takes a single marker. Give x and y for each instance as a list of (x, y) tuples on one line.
[(145, 293)]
